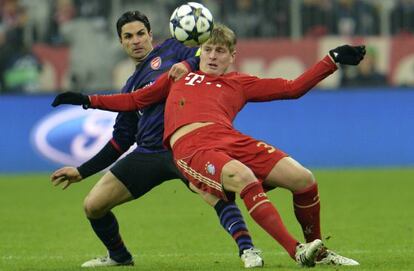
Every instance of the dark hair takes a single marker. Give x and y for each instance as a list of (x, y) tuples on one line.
[(132, 16)]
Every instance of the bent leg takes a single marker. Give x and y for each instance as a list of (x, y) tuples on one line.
[(107, 193), (289, 174), (239, 178), (131, 177)]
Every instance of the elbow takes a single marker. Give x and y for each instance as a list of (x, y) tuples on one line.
[(296, 93)]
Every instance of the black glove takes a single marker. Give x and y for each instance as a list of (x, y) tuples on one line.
[(72, 98), (348, 55)]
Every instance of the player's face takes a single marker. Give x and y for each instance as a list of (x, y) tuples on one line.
[(215, 59), (136, 40)]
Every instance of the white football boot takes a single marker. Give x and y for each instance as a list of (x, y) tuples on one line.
[(306, 253), (251, 258), (104, 262), (328, 257)]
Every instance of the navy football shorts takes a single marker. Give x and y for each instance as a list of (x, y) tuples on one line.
[(140, 172)]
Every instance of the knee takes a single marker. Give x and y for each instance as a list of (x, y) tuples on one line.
[(236, 176), (304, 179), (92, 208)]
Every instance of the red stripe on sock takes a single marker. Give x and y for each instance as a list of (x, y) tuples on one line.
[(240, 233)]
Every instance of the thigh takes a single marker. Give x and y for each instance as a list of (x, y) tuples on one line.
[(204, 169), (290, 174), (257, 155), (107, 193), (235, 176), (140, 172)]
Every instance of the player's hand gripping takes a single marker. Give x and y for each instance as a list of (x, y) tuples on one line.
[(177, 71), (347, 54), (66, 174), (72, 98)]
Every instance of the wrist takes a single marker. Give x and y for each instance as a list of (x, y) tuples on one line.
[(86, 101), (332, 59), (187, 65)]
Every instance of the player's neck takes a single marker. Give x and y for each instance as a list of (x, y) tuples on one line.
[(138, 61)]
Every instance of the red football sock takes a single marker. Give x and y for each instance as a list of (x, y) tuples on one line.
[(307, 211), (266, 215)]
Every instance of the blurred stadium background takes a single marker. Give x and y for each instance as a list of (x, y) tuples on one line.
[(54, 45), (360, 116), (351, 130)]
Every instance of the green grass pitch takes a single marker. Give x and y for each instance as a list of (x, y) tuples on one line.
[(366, 214)]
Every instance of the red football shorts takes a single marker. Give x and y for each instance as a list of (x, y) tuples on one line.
[(201, 154)]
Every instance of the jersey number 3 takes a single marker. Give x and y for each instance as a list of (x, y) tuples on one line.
[(269, 148)]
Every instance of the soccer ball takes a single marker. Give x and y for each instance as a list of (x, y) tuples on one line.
[(191, 24)]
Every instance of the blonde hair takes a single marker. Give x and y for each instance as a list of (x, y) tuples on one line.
[(222, 35)]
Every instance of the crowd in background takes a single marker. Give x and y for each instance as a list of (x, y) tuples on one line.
[(81, 24)]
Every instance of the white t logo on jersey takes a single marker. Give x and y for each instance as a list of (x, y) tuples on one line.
[(194, 78)]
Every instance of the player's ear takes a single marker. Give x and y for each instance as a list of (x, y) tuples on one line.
[(233, 56), (150, 34)]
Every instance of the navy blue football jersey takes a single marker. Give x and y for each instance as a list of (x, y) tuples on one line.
[(146, 127)]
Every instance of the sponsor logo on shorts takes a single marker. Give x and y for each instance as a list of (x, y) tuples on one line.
[(156, 63), (210, 168)]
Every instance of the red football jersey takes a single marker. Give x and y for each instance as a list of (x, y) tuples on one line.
[(199, 97)]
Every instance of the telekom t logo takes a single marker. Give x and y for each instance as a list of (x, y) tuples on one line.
[(194, 78)]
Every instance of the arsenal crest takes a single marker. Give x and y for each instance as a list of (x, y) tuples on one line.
[(156, 63)]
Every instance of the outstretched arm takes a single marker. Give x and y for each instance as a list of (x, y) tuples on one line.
[(138, 99), (256, 89)]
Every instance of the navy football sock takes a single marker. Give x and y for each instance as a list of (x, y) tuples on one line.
[(232, 220), (107, 229)]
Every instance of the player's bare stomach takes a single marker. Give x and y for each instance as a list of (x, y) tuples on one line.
[(186, 129)]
